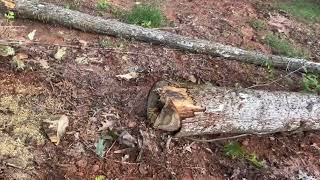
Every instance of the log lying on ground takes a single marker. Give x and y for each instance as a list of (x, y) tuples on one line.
[(50, 13), (189, 109)]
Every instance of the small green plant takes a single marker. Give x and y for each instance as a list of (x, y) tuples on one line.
[(103, 4), (9, 16), (235, 150), (100, 177), (257, 24), (100, 147), (67, 6), (270, 69), (311, 83), (145, 15), (253, 159), (284, 47), (105, 43), (305, 10), (146, 24)]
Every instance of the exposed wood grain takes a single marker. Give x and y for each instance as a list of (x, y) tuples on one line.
[(210, 110)]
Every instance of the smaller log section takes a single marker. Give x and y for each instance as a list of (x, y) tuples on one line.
[(189, 109)]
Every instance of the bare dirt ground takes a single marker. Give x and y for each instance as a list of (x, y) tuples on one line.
[(90, 93)]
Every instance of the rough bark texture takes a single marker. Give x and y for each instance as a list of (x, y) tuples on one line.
[(50, 13), (191, 109)]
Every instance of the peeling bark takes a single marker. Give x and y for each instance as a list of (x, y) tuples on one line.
[(189, 109), (50, 13)]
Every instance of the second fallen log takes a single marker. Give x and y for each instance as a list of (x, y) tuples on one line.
[(189, 109), (51, 13)]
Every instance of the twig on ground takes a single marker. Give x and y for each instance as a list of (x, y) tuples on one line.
[(218, 139), (13, 165), (108, 159), (277, 80)]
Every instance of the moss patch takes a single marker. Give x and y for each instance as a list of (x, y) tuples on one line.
[(14, 151), (22, 110)]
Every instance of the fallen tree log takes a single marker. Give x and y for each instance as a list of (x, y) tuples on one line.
[(51, 13), (189, 109)]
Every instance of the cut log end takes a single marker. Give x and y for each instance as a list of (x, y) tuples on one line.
[(9, 4), (168, 105), (188, 109)]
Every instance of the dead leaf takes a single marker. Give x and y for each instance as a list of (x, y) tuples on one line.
[(82, 60), (83, 43), (281, 23), (18, 63), (247, 33), (22, 56), (56, 129), (44, 64), (31, 35), (125, 158), (6, 51), (127, 139), (60, 53), (131, 75), (192, 78), (106, 125), (187, 147)]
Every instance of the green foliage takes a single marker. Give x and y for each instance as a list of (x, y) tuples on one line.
[(284, 47), (113, 135), (235, 150), (311, 83), (102, 4), (145, 15), (105, 43), (9, 16), (67, 6), (100, 177), (100, 147), (270, 69), (305, 10), (257, 24), (253, 159)]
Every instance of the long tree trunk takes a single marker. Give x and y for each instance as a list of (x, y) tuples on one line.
[(50, 13), (189, 109)]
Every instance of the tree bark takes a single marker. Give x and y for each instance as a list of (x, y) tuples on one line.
[(189, 109), (50, 13)]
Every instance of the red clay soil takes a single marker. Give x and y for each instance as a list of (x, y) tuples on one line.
[(90, 92)]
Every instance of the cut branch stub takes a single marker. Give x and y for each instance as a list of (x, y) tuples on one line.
[(168, 105), (178, 105), (191, 109)]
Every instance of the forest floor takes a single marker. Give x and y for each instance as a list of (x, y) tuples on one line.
[(84, 86)]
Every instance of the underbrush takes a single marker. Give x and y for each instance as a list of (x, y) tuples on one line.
[(305, 10), (145, 15), (284, 47)]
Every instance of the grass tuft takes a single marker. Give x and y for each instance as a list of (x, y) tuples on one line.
[(145, 15), (103, 4), (284, 47), (257, 24), (235, 150), (305, 10), (311, 83)]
